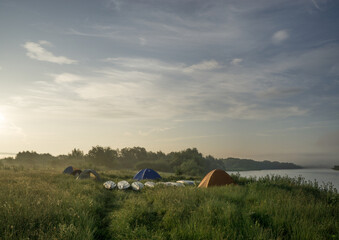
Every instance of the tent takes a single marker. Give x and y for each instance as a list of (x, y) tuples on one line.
[(89, 173), (76, 172), (68, 170), (146, 173), (216, 177)]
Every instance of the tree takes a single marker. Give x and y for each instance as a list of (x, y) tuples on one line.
[(130, 156), (104, 156), (76, 154), (189, 161)]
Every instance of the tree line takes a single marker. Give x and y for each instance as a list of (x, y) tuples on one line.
[(189, 161)]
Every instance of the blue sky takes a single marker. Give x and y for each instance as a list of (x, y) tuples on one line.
[(255, 79)]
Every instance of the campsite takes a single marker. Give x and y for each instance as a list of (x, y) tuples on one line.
[(48, 204), (169, 120)]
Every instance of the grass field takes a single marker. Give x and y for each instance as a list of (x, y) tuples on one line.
[(44, 204)]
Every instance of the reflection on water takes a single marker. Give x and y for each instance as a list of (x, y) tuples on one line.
[(322, 176)]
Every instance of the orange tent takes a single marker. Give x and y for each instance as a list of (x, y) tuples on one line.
[(216, 177)]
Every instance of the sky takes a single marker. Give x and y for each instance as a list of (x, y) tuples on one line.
[(249, 79)]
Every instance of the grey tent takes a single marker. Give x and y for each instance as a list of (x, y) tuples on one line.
[(68, 170), (89, 173), (76, 172)]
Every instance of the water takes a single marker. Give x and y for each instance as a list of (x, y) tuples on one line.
[(4, 155), (322, 176)]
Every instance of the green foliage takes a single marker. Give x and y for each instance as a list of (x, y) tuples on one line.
[(158, 165), (34, 157), (76, 154), (129, 156), (104, 156), (189, 161), (236, 164)]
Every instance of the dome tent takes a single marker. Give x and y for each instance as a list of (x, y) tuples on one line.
[(216, 177), (146, 173), (76, 172), (89, 173), (68, 170), (71, 170)]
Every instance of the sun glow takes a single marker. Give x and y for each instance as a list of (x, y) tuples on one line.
[(2, 118)]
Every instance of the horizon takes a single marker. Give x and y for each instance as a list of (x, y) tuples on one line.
[(316, 165), (255, 80)]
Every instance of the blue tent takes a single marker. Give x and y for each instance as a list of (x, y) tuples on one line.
[(68, 170), (147, 173)]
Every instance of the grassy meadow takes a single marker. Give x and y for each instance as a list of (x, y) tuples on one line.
[(45, 204)]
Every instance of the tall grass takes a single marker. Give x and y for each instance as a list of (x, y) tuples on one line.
[(49, 205)]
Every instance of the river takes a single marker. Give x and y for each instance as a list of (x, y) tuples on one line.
[(322, 176)]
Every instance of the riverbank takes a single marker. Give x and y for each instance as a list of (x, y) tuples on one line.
[(323, 176)]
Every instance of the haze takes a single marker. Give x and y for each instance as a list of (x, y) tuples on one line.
[(249, 79)]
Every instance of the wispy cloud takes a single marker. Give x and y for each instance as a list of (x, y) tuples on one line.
[(279, 92), (142, 41), (132, 88), (152, 131), (66, 78), (203, 66), (280, 36), (236, 61), (113, 4), (316, 4), (37, 52)]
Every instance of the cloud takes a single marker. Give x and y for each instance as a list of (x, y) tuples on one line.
[(254, 111), (280, 36), (203, 66), (140, 88), (37, 52), (66, 78), (236, 61), (279, 92), (114, 4), (142, 41), (316, 4), (153, 130), (46, 43), (144, 64)]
